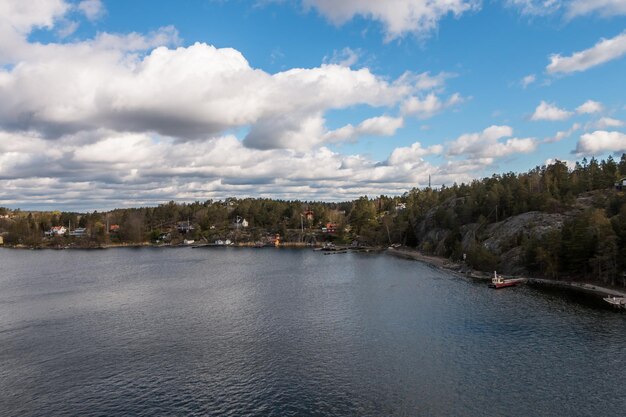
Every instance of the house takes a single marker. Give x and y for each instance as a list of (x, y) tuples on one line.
[(56, 231), (240, 222), (621, 185), (114, 228), (1, 241), (400, 207), (78, 232), (164, 237), (330, 228), (184, 227)]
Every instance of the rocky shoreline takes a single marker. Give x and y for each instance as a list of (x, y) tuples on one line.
[(463, 271)]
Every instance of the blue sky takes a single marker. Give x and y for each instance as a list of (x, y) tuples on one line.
[(111, 103)]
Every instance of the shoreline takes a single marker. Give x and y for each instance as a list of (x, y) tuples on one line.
[(443, 264), (457, 269)]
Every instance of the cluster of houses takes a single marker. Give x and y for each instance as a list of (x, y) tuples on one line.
[(63, 231)]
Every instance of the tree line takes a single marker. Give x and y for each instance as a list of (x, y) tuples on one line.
[(591, 242)]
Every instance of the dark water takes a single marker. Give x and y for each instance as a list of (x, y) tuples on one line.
[(285, 332)]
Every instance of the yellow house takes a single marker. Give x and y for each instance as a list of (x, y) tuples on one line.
[(1, 240)]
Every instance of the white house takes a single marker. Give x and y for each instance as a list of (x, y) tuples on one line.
[(56, 231)]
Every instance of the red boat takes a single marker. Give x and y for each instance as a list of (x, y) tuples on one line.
[(499, 282)]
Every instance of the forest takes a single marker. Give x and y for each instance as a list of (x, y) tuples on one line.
[(553, 221)]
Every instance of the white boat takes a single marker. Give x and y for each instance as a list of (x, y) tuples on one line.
[(617, 302)]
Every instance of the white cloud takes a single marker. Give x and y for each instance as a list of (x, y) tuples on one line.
[(548, 111), (604, 51), (185, 92), (22, 16), (589, 107), (412, 154), (429, 106), (109, 167), (570, 8), (488, 145), (564, 134), (346, 57), (399, 17), (605, 123), (528, 80), (375, 126), (93, 9), (535, 7), (604, 8), (601, 142), (424, 81), (67, 29)]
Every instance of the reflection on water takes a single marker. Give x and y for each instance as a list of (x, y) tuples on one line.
[(290, 332)]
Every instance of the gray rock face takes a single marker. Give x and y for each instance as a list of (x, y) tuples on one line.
[(503, 236)]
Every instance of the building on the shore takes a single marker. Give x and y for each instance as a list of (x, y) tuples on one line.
[(621, 185), (56, 231), (114, 228), (240, 222), (1, 241), (184, 227), (78, 232)]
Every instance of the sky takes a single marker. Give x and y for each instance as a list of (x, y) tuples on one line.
[(115, 103)]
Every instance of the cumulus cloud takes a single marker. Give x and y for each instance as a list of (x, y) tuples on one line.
[(92, 9), (399, 18), (189, 92), (563, 134), (347, 57), (375, 126), (412, 154), (528, 80), (549, 111), (93, 171), (604, 51), (535, 7), (136, 118), (605, 123), (604, 8), (569, 8), (589, 107), (601, 142), (22, 16), (429, 106), (487, 144)]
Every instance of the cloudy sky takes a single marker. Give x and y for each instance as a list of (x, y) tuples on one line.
[(114, 103)]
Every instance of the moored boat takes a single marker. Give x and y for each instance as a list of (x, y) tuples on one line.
[(498, 282), (617, 302)]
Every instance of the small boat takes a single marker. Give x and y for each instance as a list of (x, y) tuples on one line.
[(498, 282), (617, 302)]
